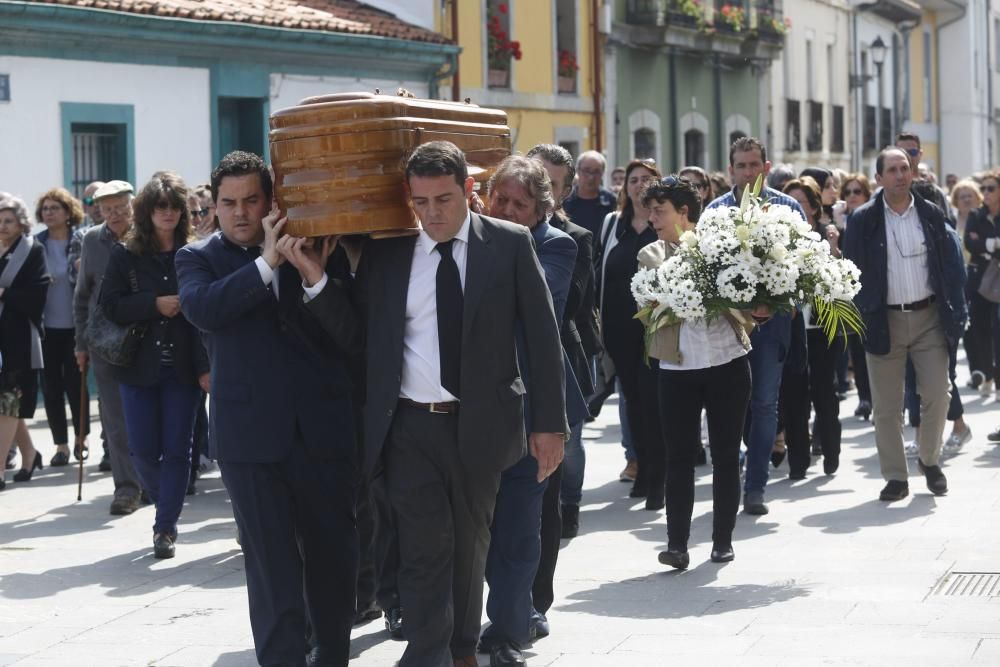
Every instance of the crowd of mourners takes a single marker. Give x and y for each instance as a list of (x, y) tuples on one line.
[(398, 421)]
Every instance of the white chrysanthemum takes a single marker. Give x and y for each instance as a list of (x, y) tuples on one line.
[(737, 283)]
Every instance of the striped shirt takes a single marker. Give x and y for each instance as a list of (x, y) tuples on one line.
[(906, 257)]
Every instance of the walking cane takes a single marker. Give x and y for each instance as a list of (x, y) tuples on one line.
[(83, 416)]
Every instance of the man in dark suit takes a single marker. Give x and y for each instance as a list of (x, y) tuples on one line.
[(444, 413), (282, 429)]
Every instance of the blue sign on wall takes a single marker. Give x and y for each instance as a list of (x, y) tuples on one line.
[(4, 87)]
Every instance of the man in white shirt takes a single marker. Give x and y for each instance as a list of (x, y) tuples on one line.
[(912, 302), (444, 413)]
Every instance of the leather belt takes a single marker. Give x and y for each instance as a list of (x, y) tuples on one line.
[(910, 307), (449, 408)]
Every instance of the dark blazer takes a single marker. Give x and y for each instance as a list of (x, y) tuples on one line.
[(155, 277), (865, 245), (580, 331), (504, 285), (23, 302), (978, 228), (277, 367)]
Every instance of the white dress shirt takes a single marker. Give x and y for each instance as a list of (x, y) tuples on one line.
[(704, 344), (270, 277), (421, 381), (906, 257)]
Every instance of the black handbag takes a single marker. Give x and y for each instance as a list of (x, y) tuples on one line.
[(989, 286), (115, 343)]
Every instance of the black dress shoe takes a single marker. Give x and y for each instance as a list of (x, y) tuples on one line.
[(894, 490), (59, 459), (190, 488), (506, 654), (570, 521), (864, 410), (753, 504), (9, 463), (639, 489), (163, 545), (367, 613), (831, 463), (722, 553), (81, 451), (394, 622), (994, 436), (24, 474), (796, 475), (105, 464), (936, 482), (675, 558), (656, 498)]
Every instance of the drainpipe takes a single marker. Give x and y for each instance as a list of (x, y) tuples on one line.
[(674, 121), (720, 140), (595, 39), (937, 42), (456, 89)]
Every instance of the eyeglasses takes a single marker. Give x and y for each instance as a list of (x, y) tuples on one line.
[(986, 188), (120, 209), (52, 209), (913, 152), (848, 192)]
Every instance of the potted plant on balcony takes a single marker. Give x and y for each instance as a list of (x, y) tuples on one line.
[(688, 13), (501, 49), (730, 18), (568, 68), (770, 27)]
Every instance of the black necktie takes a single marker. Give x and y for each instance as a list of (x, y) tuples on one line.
[(449, 314)]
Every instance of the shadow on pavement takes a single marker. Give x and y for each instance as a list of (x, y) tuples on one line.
[(245, 658), (873, 513)]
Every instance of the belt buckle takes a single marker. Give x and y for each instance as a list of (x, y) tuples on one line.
[(904, 309), (437, 412)]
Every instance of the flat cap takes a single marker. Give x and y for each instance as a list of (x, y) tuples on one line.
[(112, 188)]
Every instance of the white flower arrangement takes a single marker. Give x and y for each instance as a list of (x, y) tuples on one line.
[(741, 257)]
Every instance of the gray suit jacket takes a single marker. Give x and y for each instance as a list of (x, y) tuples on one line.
[(504, 285)]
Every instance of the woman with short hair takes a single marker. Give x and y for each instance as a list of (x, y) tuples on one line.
[(24, 282), (61, 213), (160, 387)]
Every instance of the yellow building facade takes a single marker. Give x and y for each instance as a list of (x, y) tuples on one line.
[(543, 102)]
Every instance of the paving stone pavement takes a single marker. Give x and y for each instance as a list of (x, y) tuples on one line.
[(830, 576)]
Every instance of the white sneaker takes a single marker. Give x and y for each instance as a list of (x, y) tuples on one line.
[(912, 449), (955, 441), (986, 388)]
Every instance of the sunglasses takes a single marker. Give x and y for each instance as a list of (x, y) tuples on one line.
[(88, 201), (200, 212), (853, 191), (913, 152), (990, 188)]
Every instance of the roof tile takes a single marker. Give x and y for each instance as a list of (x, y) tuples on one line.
[(348, 16)]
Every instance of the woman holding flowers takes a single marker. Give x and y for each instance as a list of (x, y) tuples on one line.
[(622, 235), (703, 365)]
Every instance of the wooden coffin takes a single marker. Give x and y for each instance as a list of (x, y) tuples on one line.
[(339, 160)]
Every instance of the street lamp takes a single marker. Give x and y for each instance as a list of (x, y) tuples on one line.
[(878, 52)]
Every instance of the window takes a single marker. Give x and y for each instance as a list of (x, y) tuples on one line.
[(869, 129), (572, 146), (837, 129), (566, 63), (810, 71), (242, 125), (645, 144), (99, 154), (694, 148), (814, 139), (793, 125), (500, 49)]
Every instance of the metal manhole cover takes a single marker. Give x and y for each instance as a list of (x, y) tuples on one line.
[(969, 584)]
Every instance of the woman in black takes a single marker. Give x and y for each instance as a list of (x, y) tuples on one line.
[(24, 282), (623, 234), (982, 240), (823, 357), (160, 388)]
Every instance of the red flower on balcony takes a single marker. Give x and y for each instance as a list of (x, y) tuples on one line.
[(568, 66), (500, 48)]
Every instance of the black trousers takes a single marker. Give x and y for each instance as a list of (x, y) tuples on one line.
[(61, 382), (542, 594), (823, 389), (379, 547), (443, 512), (638, 376), (793, 416), (724, 393), (859, 362), (984, 336), (300, 546)]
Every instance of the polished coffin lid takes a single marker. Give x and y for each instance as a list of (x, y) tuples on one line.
[(339, 160)]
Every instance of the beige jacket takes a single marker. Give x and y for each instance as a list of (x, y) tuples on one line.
[(665, 344)]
